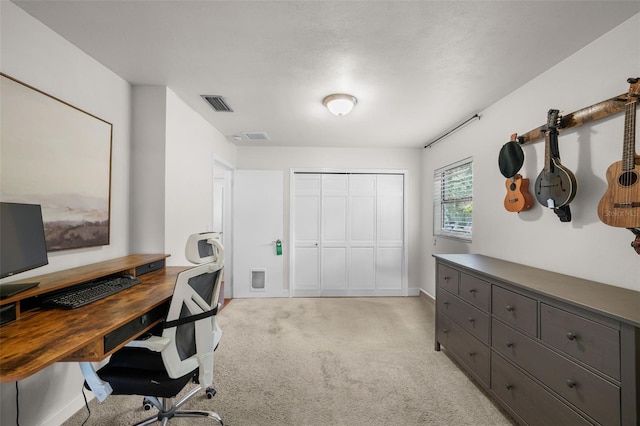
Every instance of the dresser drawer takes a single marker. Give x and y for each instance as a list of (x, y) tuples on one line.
[(470, 318), (595, 344), (465, 348), (515, 309), (592, 394), (532, 403), (475, 291), (448, 278)]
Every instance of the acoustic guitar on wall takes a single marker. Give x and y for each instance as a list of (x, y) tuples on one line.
[(518, 198), (556, 186), (620, 205)]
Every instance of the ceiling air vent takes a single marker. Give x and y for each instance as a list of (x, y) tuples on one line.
[(217, 102), (256, 136)]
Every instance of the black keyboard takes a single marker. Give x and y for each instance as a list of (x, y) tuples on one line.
[(87, 293)]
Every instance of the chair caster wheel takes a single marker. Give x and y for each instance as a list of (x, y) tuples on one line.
[(211, 392), (146, 404)]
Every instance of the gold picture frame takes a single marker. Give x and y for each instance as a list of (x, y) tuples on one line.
[(59, 156)]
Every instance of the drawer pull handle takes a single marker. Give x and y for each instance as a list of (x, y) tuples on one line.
[(445, 303), (471, 320), (472, 354), (510, 308), (445, 331), (447, 278), (509, 387), (571, 383), (509, 344), (473, 290), (572, 336)]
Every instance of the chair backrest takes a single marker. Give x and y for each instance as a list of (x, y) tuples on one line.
[(190, 322)]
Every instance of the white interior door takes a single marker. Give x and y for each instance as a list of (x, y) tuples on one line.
[(390, 232), (362, 221), (257, 225), (334, 233), (306, 228), (221, 220), (218, 204)]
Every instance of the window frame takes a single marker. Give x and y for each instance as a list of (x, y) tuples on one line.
[(461, 229)]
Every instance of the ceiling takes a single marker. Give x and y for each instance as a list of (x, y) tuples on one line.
[(417, 68)]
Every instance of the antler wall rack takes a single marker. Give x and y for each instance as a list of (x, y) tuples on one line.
[(577, 118)]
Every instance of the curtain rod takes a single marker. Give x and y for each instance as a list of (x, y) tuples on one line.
[(452, 130)]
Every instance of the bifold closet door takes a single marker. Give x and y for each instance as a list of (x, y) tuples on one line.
[(362, 232), (390, 232), (347, 234), (306, 233)]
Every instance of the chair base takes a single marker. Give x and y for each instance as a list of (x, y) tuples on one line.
[(167, 410)]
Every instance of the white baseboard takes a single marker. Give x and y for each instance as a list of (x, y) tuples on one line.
[(427, 296), (69, 410)]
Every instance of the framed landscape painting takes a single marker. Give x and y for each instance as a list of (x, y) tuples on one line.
[(58, 156)]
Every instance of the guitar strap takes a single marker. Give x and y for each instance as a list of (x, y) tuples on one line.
[(564, 213)]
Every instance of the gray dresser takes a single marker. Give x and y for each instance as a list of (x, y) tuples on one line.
[(550, 348)]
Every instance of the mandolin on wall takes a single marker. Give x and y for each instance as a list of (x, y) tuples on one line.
[(556, 185)]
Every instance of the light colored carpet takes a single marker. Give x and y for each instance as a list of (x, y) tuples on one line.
[(318, 361)]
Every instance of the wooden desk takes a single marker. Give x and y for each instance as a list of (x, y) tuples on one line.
[(41, 337)]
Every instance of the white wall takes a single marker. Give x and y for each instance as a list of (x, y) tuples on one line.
[(191, 146), (39, 57), (285, 159), (585, 247), (148, 154), (172, 172)]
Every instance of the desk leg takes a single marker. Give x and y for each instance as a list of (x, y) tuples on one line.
[(99, 387)]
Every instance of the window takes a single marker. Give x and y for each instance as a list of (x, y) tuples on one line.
[(453, 200)]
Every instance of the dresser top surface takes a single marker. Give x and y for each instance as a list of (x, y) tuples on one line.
[(617, 302)]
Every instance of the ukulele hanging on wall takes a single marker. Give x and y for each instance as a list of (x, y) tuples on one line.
[(510, 159), (620, 205), (556, 186)]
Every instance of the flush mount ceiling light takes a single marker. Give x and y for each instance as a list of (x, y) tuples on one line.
[(340, 103)]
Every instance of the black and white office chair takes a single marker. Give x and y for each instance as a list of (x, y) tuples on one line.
[(160, 366)]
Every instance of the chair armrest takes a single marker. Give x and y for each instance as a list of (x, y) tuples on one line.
[(153, 343), (98, 386)]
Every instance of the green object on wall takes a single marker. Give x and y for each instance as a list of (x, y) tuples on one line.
[(279, 248)]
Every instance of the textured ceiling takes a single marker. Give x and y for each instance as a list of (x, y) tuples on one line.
[(418, 68)]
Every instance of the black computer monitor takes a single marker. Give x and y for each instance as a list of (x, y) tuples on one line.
[(22, 241)]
